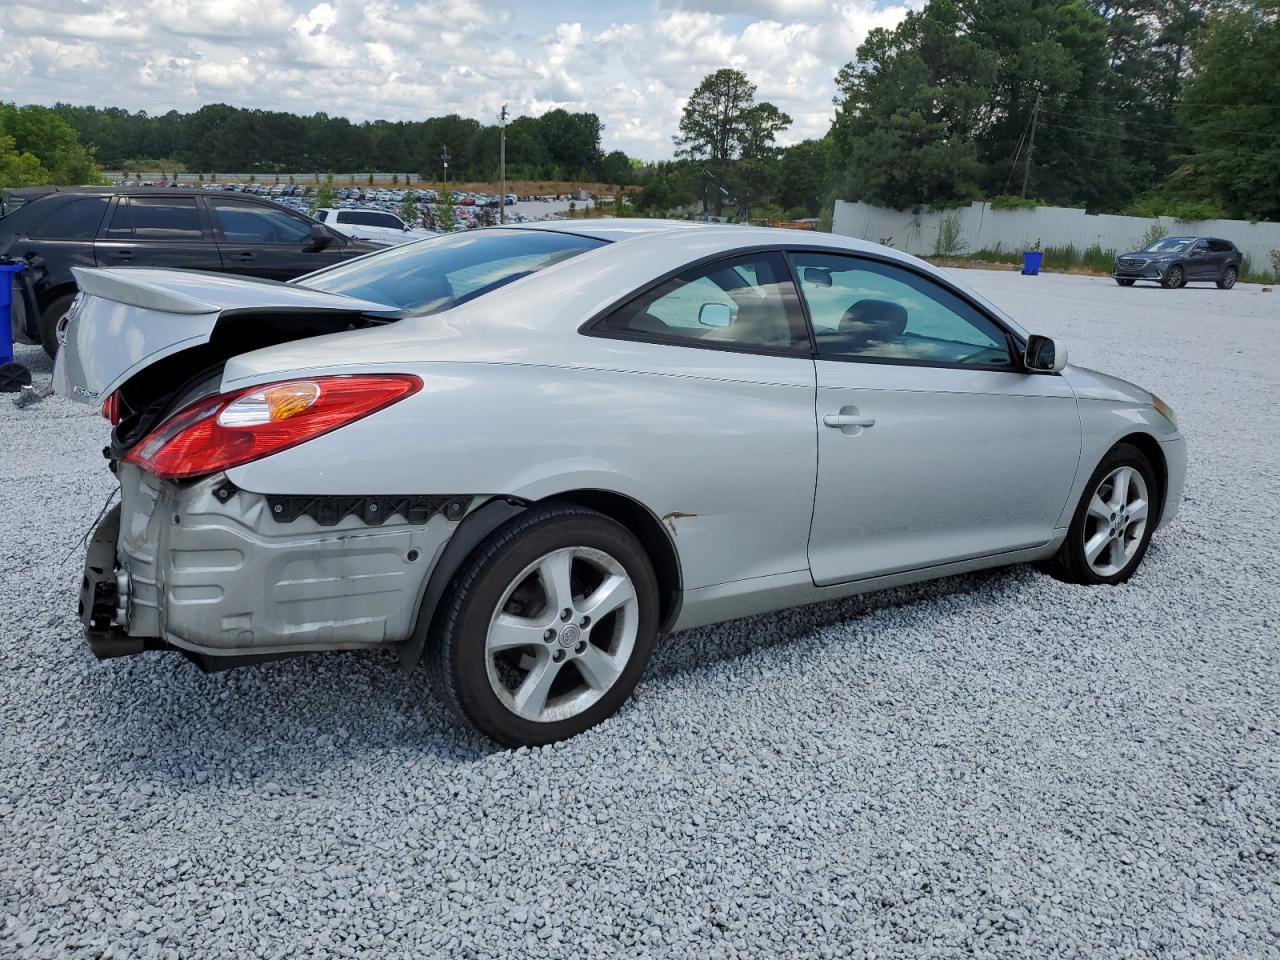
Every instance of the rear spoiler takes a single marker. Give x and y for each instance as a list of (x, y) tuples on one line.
[(195, 292), (137, 292), (102, 346)]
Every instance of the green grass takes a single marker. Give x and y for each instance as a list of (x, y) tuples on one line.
[(1250, 275), (1093, 259)]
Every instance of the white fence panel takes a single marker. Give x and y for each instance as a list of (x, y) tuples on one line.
[(982, 228)]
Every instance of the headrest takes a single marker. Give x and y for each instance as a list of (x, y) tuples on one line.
[(875, 319)]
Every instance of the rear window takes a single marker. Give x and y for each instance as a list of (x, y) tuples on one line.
[(436, 274), (77, 220), (155, 218)]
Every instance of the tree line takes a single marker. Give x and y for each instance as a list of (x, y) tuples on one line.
[(1136, 106), (558, 145), (1147, 107)]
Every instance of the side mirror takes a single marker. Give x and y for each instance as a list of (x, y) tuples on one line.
[(320, 238), (817, 276), (715, 315), (1045, 355)]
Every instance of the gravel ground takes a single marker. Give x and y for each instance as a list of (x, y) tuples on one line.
[(996, 764)]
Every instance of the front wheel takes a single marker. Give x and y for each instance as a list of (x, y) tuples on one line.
[(1113, 522), (1124, 282), (548, 626), (1229, 278), (1174, 278)]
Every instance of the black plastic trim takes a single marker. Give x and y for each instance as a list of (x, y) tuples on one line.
[(471, 532), (372, 510)]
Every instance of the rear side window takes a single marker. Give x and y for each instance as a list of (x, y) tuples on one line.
[(745, 303), (436, 274), (155, 218), (77, 220), (244, 221), (368, 218)]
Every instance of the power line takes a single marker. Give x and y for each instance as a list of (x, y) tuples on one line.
[(1111, 102), (1118, 135), (1156, 123)]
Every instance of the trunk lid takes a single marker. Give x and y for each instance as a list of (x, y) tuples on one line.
[(125, 320)]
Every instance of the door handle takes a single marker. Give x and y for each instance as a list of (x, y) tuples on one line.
[(124, 254), (247, 255), (848, 420)]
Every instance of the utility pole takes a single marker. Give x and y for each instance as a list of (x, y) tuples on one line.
[(502, 164), (1031, 145), (445, 158)]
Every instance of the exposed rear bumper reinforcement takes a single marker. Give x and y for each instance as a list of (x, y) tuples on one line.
[(98, 587), (231, 577)]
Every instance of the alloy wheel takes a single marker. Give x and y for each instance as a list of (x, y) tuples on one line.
[(1115, 521), (1229, 278), (563, 632)]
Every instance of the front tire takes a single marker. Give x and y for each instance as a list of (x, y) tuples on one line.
[(548, 626), (1229, 278), (1174, 278), (49, 322), (1124, 282), (1113, 522)]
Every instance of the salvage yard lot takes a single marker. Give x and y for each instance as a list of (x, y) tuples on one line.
[(997, 764)]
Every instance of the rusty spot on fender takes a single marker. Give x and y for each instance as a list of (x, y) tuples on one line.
[(671, 518)]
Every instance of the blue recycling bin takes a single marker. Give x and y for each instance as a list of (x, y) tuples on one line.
[(13, 376), (1031, 260), (8, 273)]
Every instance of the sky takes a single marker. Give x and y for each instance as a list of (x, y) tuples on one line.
[(632, 62)]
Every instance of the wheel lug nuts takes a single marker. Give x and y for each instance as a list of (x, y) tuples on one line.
[(566, 614), (586, 622), (580, 648), (558, 656), (549, 635)]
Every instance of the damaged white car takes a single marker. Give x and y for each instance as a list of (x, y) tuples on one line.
[(529, 451)]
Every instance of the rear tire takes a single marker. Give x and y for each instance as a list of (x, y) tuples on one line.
[(1112, 527), (1123, 282), (510, 662), (49, 322), (1174, 278), (1228, 278)]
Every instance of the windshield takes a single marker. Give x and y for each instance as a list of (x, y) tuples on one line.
[(1169, 245), (441, 272)]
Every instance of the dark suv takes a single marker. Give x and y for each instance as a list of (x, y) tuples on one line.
[(57, 228), (1176, 261)]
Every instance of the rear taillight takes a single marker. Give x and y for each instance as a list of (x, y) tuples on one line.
[(231, 429), (111, 408)]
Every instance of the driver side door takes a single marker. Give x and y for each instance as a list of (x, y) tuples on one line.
[(1201, 262), (935, 445), (259, 240)]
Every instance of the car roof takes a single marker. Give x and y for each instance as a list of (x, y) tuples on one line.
[(622, 229), (614, 229)]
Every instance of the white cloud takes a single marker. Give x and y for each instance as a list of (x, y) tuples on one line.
[(400, 60)]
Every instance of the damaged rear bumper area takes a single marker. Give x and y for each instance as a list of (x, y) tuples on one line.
[(231, 577)]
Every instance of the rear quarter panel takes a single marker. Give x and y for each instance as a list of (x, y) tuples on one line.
[(723, 453)]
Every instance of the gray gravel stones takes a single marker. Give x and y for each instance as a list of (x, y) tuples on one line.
[(994, 765)]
